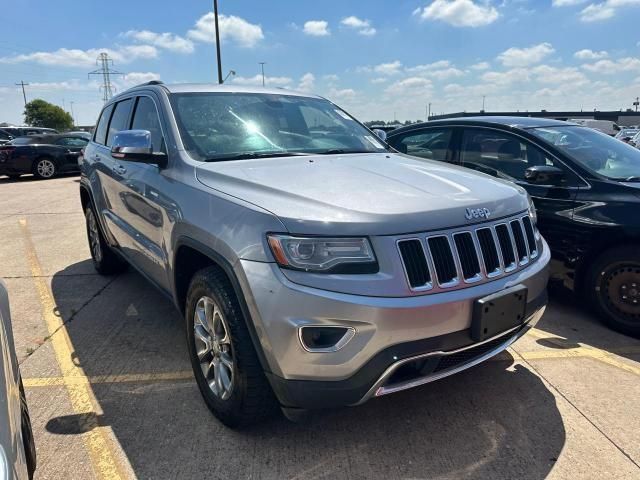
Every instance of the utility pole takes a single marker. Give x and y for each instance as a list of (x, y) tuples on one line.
[(73, 117), (262, 66), (24, 95), (429, 113), (483, 98), (215, 14), (104, 62)]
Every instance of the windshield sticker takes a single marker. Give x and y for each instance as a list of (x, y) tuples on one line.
[(373, 141)]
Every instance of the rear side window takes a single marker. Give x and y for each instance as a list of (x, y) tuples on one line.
[(432, 144), (145, 117), (72, 142), (119, 119), (101, 129)]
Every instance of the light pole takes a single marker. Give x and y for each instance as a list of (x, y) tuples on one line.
[(215, 15), (483, 98), (262, 67), (73, 117), (231, 72)]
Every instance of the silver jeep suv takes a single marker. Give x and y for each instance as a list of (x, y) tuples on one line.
[(315, 266)]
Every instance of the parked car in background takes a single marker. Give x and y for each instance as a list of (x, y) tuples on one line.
[(43, 155), (586, 188), (605, 126), (80, 133), (17, 447), (314, 266), (23, 131), (626, 133), (635, 140), (5, 137)]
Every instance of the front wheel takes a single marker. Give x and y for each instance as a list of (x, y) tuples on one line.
[(224, 361), (613, 284), (44, 168)]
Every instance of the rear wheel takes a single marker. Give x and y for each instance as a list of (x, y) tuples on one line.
[(45, 168), (613, 285), (224, 361), (105, 260), (27, 434)]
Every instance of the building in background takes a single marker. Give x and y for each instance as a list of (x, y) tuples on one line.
[(622, 118)]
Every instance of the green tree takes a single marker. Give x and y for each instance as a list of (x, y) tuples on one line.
[(39, 113)]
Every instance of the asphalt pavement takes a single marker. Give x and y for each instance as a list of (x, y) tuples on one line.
[(111, 393)]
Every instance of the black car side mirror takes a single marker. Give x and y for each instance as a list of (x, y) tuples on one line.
[(136, 146), (544, 175)]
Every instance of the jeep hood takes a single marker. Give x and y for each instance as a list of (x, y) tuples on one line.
[(363, 194)]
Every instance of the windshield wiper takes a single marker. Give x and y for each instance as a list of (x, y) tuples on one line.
[(633, 178), (249, 155), (337, 151)]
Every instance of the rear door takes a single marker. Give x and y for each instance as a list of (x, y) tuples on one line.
[(433, 143), (72, 148), (507, 156)]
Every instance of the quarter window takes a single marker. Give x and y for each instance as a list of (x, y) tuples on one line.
[(432, 144), (101, 129), (119, 119), (145, 117)]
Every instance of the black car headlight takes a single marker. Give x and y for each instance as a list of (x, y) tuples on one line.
[(323, 254)]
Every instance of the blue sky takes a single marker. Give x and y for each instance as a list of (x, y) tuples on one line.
[(378, 59)]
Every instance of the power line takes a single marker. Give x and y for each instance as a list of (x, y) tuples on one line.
[(24, 95), (106, 71)]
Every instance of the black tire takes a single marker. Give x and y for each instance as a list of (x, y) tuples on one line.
[(44, 168), (251, 398), (613, 287), (27, 434), (105, 260)]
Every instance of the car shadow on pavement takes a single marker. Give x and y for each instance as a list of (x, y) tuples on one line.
[(572, 319), (496, 420)]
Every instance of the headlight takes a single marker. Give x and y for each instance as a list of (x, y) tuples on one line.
[(322, 254), (532, 212)]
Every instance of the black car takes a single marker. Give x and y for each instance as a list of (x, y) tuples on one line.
[(43, 155), (585, 186), (23, 131)]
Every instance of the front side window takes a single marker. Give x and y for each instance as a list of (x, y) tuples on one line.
[(119, 119), (500, 154), (432, 144), (595, 151), (227, 126), (145, 117), (101, 129), (72, 142)]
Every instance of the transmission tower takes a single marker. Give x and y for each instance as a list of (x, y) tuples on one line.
[(105, 64)]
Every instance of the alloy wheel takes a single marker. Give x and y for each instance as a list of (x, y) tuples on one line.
[(213, 347), (94, 237), (46, 168)]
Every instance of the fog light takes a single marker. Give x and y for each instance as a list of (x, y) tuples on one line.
[(319, 339)]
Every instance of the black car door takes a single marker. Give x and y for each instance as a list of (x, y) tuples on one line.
[(428, 143), (507, 156), (73, 148)]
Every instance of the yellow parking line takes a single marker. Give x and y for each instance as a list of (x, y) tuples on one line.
[(98, 439), (96, 379)]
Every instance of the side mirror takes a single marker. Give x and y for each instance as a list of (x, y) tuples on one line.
[(381, 134), (136, 146), (544, 175)]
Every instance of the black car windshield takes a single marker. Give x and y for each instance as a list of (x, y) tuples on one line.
[(595, 150), (228, 126)]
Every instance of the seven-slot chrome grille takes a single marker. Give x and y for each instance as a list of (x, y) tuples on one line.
[(482, 252)]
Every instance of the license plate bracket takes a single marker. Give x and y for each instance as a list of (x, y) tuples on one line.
[(498, 312)]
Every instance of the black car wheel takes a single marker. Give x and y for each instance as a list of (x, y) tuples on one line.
[(27, 434), (615, 279), (225, 364), (45, 168), (105, 260)]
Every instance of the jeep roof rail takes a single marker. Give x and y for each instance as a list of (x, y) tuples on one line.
[(151, 82)]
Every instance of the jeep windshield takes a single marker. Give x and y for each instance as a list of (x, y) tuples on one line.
[(231, 126), (595, 150)]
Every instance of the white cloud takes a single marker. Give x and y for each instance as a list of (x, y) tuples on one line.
[(587, 54), (167, 41), (257, 80), (341, 94), (363, 27), (379, 80), (316, 28), (521, 57), (410, 85), (391, 68), (555, 75), (332, 77), (307, 82), (73, 57), (567, 3), (595, 12), (441, 70), (136, 78), (480, 66), (459, 13), (506, 78), (232, 28), (611, 67)]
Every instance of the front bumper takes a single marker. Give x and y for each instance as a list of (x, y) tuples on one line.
[(390, 332)]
